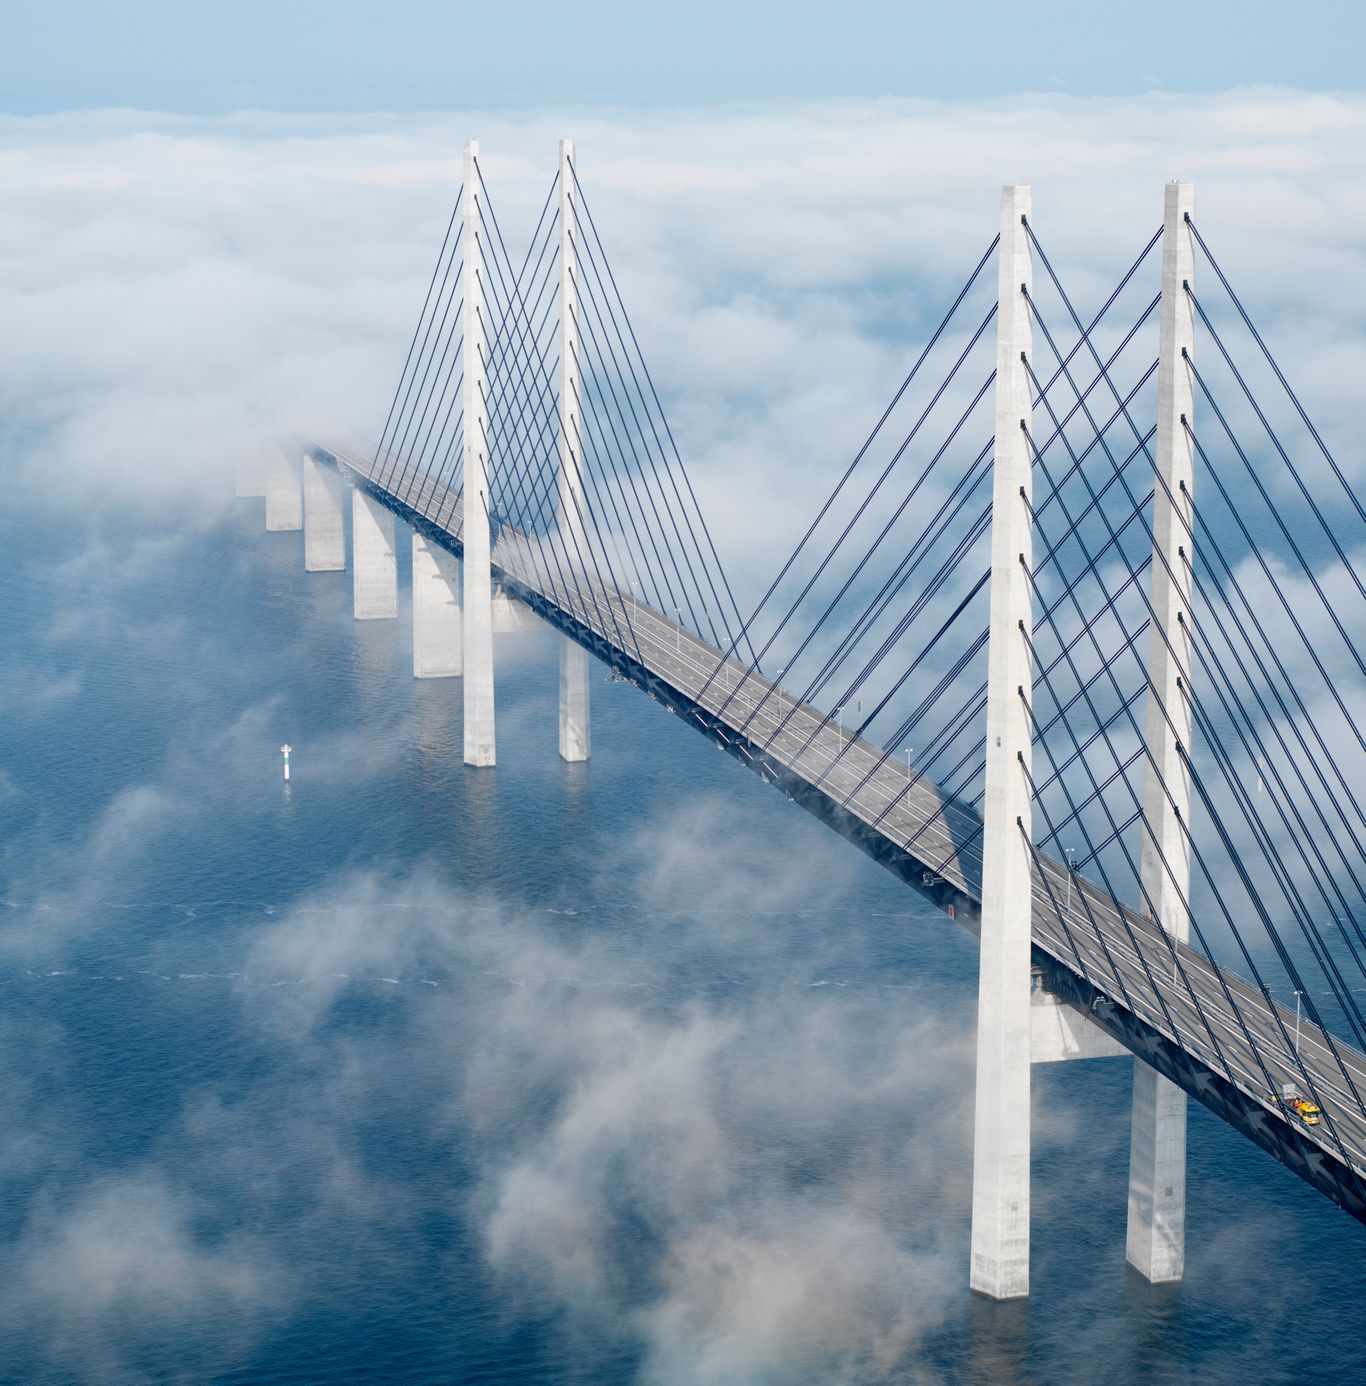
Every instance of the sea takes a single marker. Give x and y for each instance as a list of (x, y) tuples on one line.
[(402, 1071)]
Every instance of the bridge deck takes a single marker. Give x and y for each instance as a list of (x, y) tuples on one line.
[(1139, 986)]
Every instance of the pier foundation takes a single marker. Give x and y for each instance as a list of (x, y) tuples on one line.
[(284, 500), (324, 532), (437, 650), (374, 571)]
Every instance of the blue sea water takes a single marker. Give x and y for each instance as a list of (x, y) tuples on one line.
[(623, 1072)]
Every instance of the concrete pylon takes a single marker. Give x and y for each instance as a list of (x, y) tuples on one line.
[(374, 570), (1156, 1241), (284, 501), (477, 617), (574, 729), (251, 476), (1000, 1168), (324, 528), (436, 612)]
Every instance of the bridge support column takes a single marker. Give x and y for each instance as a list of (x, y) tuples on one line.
[(1001, 1144), (251, 476), (374, 571), (436, 612), (1156, 1242), (477, 623), (574, 730), (284, 502), (1059, 1034), (324, 531)]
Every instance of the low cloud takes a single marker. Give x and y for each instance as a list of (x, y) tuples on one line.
[(111, 1277), (688, 1181), (186, 289), (660, 1156)]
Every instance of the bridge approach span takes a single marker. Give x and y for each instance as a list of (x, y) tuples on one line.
[(1198, 1025)]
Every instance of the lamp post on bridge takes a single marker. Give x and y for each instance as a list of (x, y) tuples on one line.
[(678, 630), (1071, 867), (1298, 995)]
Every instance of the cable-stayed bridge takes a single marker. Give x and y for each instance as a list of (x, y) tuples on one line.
[(1134, 718)]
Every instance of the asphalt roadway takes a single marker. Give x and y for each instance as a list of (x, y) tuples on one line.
[(1223, 1021)]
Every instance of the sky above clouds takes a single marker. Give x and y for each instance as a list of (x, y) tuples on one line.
[(353, 55)]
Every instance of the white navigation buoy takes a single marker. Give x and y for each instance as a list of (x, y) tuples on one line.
[(284, 751)]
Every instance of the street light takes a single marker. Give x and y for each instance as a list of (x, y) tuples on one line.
[(839, 722), (1298, 994), (1071, 867), (678, 630), (907, 750)]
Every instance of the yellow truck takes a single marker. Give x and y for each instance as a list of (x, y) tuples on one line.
[(1298, 1105)]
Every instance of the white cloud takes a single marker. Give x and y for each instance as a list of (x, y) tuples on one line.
[(107, 1277), (179, 286)]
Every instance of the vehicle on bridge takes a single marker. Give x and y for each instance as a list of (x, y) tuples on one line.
[(1298, 1105)]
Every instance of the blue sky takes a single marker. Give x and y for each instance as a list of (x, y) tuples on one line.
[(354, 55)]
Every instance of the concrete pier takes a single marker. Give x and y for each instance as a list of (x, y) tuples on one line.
[(437, 650), (512, 618), (1001, 1144), (251, 476), (574, 729), (324, 528), (284, 500), (1156, 1240), (374, 571), (1059, 1033), (477, 622)]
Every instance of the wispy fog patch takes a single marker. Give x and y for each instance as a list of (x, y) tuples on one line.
[(56, 875), (823, 1292), (38, 687), (55, 883), (662, 1154), (38, 1133), (764, 1195), (366, 927), (123, 1266), (701, 863)]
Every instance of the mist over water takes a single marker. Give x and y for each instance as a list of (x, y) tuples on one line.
[(625, 1072)]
